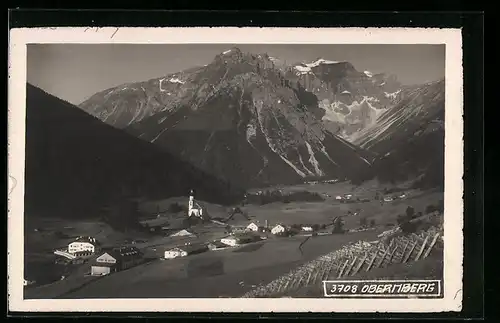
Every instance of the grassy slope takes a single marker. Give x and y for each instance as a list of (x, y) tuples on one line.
[(194, 276)]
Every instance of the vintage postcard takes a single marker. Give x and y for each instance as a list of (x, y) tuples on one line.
[(235, 170)]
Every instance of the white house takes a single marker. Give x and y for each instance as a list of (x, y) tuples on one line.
[(307, 229), (174, 253), (388, 199), (348, 196), (230, 241), (278, 229), (185, 250), (253, 227), (83, 244), (338, 197), (239, 239)]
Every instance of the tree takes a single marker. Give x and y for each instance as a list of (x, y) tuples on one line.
[(372, 223), (410, 211), (338, 226), (315, 227), (363, 221), (323, 226), (377, 196)]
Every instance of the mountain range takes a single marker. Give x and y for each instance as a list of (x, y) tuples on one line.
[(243, 120), (239, 117), (409, 138)]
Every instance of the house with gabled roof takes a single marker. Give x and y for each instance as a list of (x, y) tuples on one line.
[(84, 244), (278, 229), (116, 259), (185, 250)]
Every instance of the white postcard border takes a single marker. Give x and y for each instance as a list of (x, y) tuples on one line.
[(453, 223)]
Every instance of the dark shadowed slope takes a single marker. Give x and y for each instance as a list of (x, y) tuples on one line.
[(409, 138), (75, 163)]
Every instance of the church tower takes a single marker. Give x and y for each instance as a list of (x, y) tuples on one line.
[(191, 202)]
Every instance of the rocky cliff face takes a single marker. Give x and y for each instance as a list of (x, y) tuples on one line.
[(351, 100), (252, 119), (248, 124), (409, 138)]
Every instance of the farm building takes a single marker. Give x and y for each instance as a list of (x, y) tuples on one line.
[(307, 228), (253, 227), (174, 253), (182, 233), (278, 229), (116, 259), (84, 244), (388, 199), (185, 250), (230, 241), (240, 239), (214, 245)]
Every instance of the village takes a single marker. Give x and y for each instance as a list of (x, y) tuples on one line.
[(195, 230), (105, 261)]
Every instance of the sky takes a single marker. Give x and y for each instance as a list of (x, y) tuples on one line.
[(74, 72)]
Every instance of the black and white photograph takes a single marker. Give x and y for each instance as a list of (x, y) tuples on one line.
[(238, 170)]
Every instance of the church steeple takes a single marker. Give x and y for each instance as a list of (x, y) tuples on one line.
[(191, 201)]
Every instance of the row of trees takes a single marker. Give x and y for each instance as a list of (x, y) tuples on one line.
[(271, 196), (408, 226)]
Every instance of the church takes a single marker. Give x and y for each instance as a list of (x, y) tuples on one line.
[(195, 209)]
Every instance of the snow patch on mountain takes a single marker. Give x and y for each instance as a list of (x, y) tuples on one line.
[(323, 150), (368, 73), (160, 82), (251, 132), (298, 171), (302, 163), (321, 61), (226, 52), (303, 69), (176, 80), (392, 95), (313, 160)]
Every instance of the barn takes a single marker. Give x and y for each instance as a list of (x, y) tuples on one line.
[(116, 259)]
